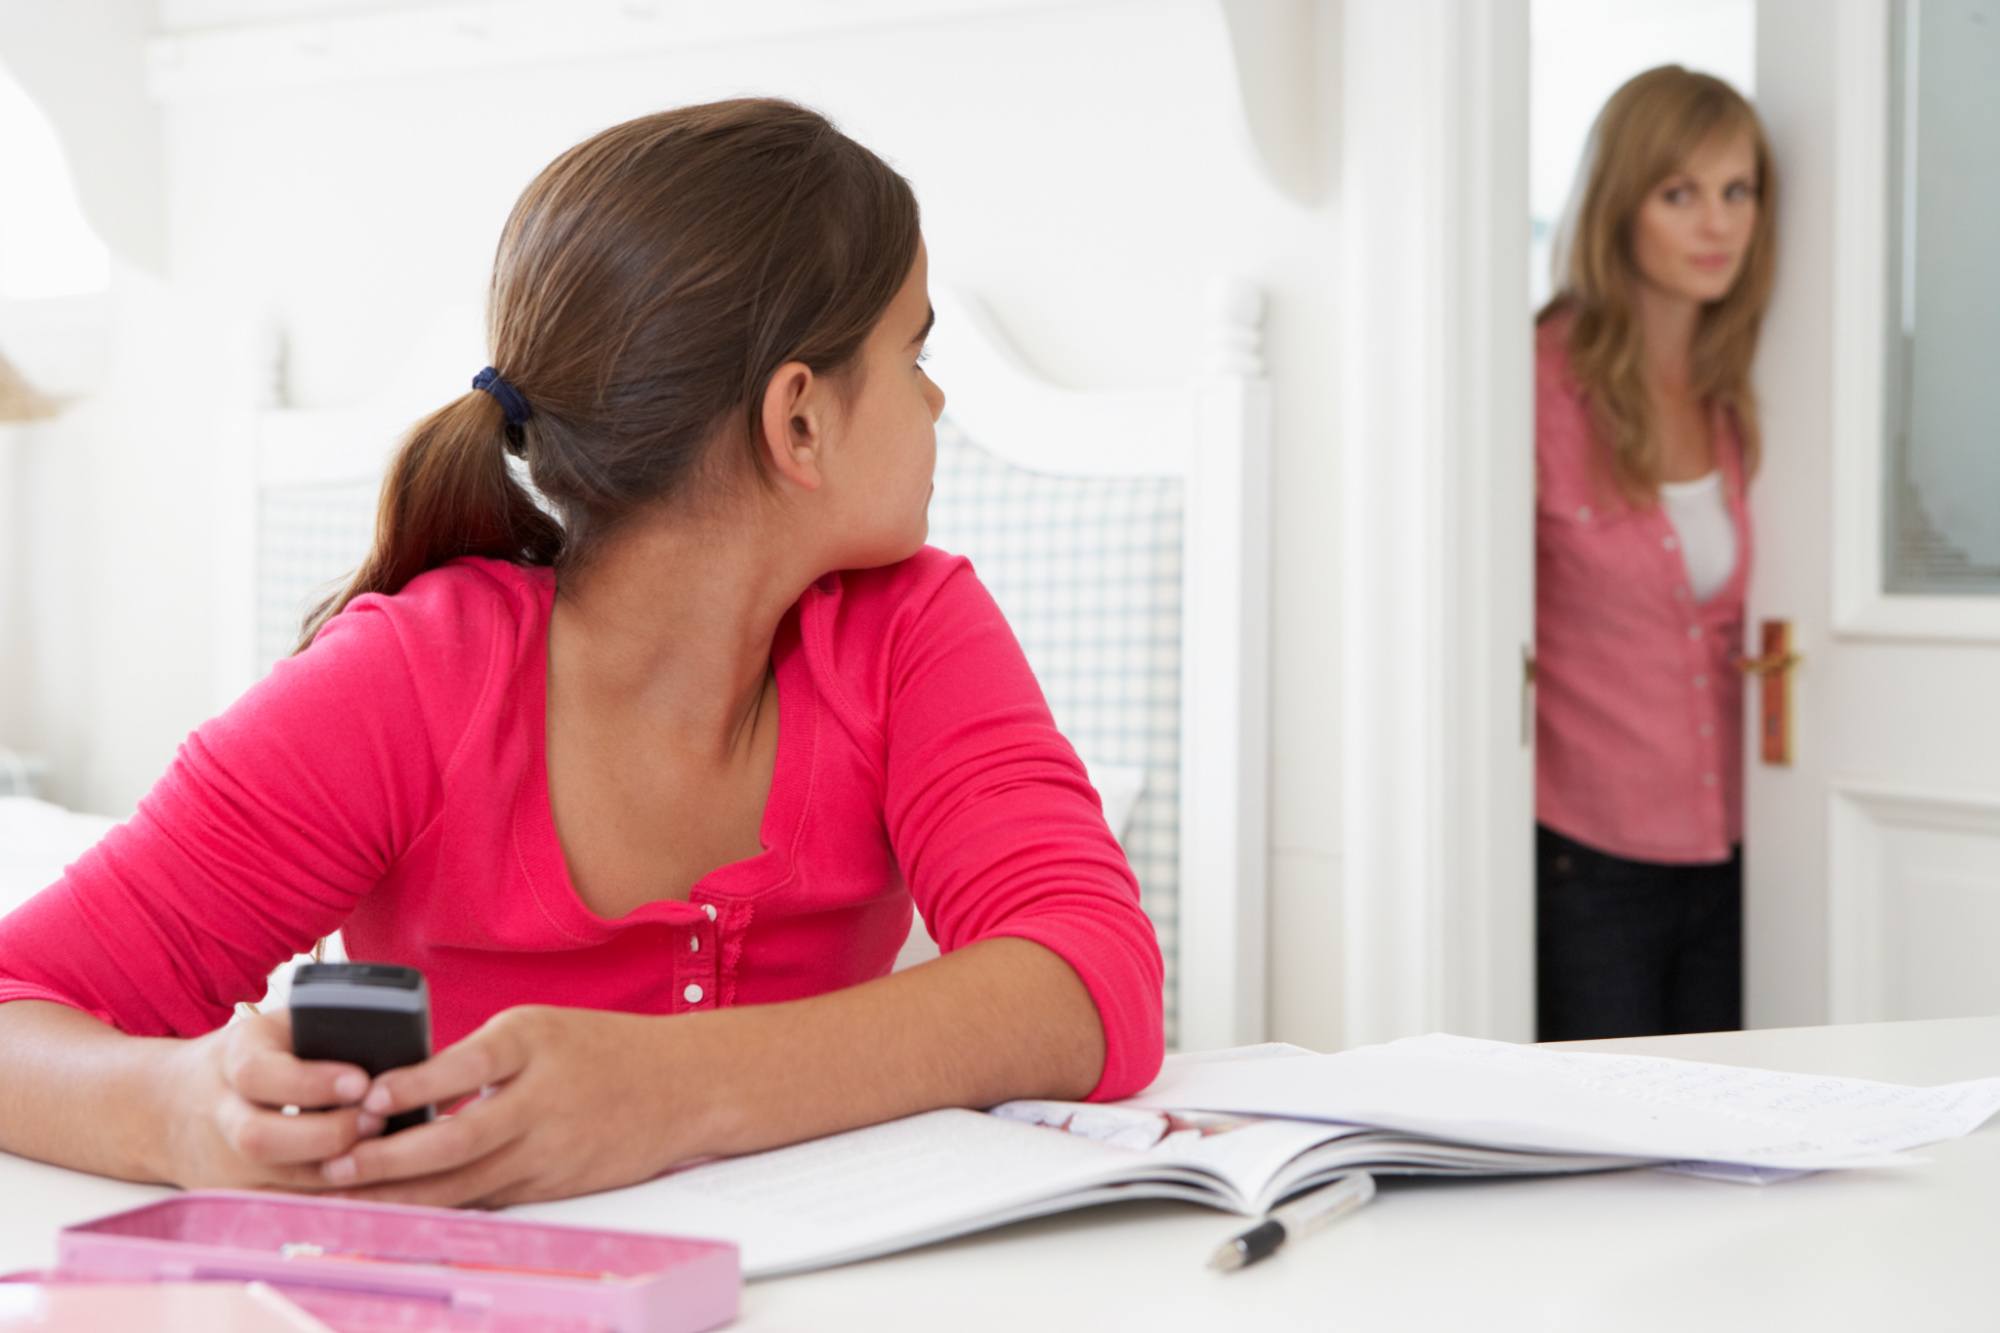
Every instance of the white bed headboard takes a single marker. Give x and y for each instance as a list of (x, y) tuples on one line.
[(1124, 533)]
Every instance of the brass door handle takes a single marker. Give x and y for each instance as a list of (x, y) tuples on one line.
[(1769, 664), (1774, 689)]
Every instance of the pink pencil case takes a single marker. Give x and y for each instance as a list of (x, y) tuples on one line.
[(366, 1266)]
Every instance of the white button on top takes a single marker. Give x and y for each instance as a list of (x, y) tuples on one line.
[(1584, 514), (1707, 780), (1701, 682), (709, 909), (694, 944), (1694, 631), (1680, 594), (692, 994), (1708, 728), (1671, 543)]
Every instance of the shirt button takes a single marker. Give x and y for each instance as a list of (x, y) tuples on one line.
[(1583, 514), (1669, 542), (1694, 631), (1708, 728), (708, 909), (694, 944), (692, 994), (1707, 780), (1701, 682), (1680, 594)]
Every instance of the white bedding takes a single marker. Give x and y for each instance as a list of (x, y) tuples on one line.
[(37, 840)]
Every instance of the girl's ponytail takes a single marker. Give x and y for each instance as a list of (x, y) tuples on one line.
[(449, 492)]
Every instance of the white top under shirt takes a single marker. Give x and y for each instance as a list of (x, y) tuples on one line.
[(1699, 512)]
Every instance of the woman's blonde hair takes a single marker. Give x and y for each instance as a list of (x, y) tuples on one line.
[(1644, 134)]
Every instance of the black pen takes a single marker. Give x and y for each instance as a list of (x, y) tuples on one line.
[(1295, 1219)]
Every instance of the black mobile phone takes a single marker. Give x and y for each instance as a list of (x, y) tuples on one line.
[(375, 1015)]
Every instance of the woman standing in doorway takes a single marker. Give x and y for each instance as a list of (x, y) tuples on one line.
[(1645, 439)]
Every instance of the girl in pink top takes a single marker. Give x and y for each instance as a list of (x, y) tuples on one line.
[(1645, 437), (648, 781)]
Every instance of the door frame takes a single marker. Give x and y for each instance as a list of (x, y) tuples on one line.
[(1437, 417)]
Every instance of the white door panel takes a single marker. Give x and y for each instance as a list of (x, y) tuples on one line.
[(1915, 896)]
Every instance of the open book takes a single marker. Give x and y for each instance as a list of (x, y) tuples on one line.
[(945, 1173), (1436, 1105)]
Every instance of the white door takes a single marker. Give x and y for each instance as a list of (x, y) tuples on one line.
[(1873, 858)]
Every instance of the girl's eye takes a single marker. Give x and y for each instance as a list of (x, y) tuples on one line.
[(1676, 194), (1739, 191)]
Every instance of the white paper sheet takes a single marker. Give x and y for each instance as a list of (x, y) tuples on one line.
[(1650, 1107)]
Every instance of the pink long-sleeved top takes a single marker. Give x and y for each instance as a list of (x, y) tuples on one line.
[(1638, 702), (390, 782)]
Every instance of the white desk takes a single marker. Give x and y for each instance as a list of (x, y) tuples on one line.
[(1881, 1250)]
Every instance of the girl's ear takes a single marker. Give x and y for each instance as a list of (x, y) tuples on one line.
[(794, 429)]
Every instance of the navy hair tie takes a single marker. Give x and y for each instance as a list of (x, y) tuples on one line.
[(510, 399)]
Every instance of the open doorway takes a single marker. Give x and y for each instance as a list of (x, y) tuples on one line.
[(1650, 257)]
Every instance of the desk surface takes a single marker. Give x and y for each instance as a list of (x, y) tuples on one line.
[(1915, 1247)]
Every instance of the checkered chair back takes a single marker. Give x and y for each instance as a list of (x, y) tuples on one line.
[(1087, 571)]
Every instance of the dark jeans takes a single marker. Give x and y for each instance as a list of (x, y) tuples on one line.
[(1634, 948)]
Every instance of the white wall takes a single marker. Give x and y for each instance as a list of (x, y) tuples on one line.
[(1084, 167), (100, 671)]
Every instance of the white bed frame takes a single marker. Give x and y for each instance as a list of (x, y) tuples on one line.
[(1212, 433)]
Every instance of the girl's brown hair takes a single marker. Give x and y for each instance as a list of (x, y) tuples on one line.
[(1644, 134), (647, 285)]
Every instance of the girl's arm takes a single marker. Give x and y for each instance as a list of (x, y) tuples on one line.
[(272, 821), (573, 1101), (201, 1112)]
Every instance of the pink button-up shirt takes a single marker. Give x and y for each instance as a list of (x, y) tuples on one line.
[(1638, 703)]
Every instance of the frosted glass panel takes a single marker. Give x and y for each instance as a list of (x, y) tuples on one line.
[(1943, 437)]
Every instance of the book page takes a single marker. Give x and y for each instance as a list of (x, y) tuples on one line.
[(1649, 1107), (910, 1181), (1258, 1160)]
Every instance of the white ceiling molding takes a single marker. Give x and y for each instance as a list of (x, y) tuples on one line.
[(219, 62)]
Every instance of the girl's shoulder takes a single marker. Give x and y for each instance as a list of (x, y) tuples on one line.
[(866, 630), (1572, 473), (915, 579), (469, 591), (1563, 430), (449, 626), (862, 615)]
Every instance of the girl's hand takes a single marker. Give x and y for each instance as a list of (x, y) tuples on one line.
[(227, 1125), (564, 1102)]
